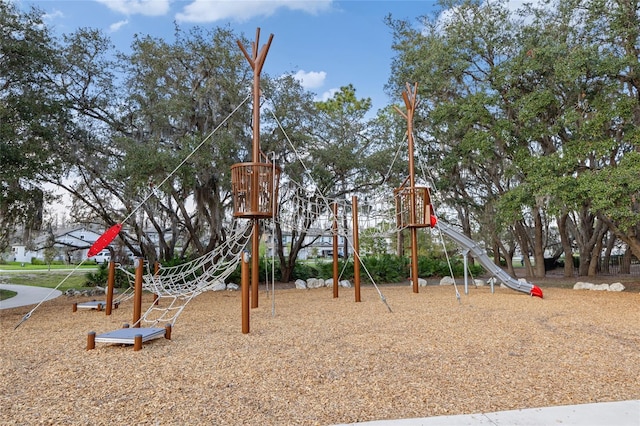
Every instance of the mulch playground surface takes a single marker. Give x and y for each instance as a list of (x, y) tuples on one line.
[(312, 359)]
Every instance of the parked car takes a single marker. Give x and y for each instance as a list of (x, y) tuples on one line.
[(103, 257)]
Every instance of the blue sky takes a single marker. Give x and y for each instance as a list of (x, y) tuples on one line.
[(326, 43)]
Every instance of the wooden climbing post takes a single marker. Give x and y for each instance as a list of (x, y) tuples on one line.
[(111, 280), (356, 247), (137, 342), (137, 298), (156, 271), (244, 286), (256, 60), (334, 228), (410, 100), (91, 340)]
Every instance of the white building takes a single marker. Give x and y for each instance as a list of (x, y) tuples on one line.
[(71, 245)]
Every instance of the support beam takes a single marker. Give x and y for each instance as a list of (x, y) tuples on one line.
[(334, 232), (244, 286), (256, 60), (356, 247), (137, 297), (411, 102), (111, 280)]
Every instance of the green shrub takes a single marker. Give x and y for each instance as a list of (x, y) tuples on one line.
[(386, 268), (100, 277), (264, 270), (304, 270), (175, 261), (383, 268), (439, 267), (268, 269)]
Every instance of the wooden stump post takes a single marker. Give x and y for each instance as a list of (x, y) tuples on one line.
[(91, 340)]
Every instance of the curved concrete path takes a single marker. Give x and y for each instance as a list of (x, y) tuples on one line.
[(619, 413), (27, 295)]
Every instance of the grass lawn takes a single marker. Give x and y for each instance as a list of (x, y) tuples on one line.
[(39, 275), (6, 294), (18, 266)]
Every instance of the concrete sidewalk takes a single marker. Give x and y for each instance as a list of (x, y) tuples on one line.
[(621, 413), (27, 295)]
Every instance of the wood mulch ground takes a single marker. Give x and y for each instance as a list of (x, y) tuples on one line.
[(312, 359)]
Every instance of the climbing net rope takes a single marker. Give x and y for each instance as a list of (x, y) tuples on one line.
[(314, 216), (176, 286)]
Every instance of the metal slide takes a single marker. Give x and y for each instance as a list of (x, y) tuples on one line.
[(480, 254)]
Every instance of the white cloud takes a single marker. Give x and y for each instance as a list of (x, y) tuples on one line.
[(328, 94), (117, 25), (138, 7), (310, 80), (513, 6), (242, 10), (53, 15)]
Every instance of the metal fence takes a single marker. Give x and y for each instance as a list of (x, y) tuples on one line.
[(616, 266)]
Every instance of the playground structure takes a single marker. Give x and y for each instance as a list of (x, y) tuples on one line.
[(173, 288), (254, 185), (255, 188), (414, 210), (471, 247), (110, 303), (413, 204), (255, 192)]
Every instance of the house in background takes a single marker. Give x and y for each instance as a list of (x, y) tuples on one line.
[(71, 245), (314, 246)]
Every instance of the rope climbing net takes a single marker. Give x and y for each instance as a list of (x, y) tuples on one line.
[(313, 215), (176, 286)]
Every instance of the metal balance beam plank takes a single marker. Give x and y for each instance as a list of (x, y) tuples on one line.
[(126, 336), (95, 304)]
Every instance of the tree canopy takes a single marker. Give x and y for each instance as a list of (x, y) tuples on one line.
[(531, 117), (528, 126)]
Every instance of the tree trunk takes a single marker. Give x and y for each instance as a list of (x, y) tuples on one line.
[(565, 240), (508, 257), (188, 223), (525, 248), (625, 265), (538, 249), (631, 237), (400, 245), (606, 260), (496, 253), (594, 263), (285, 267), (589, 231)]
